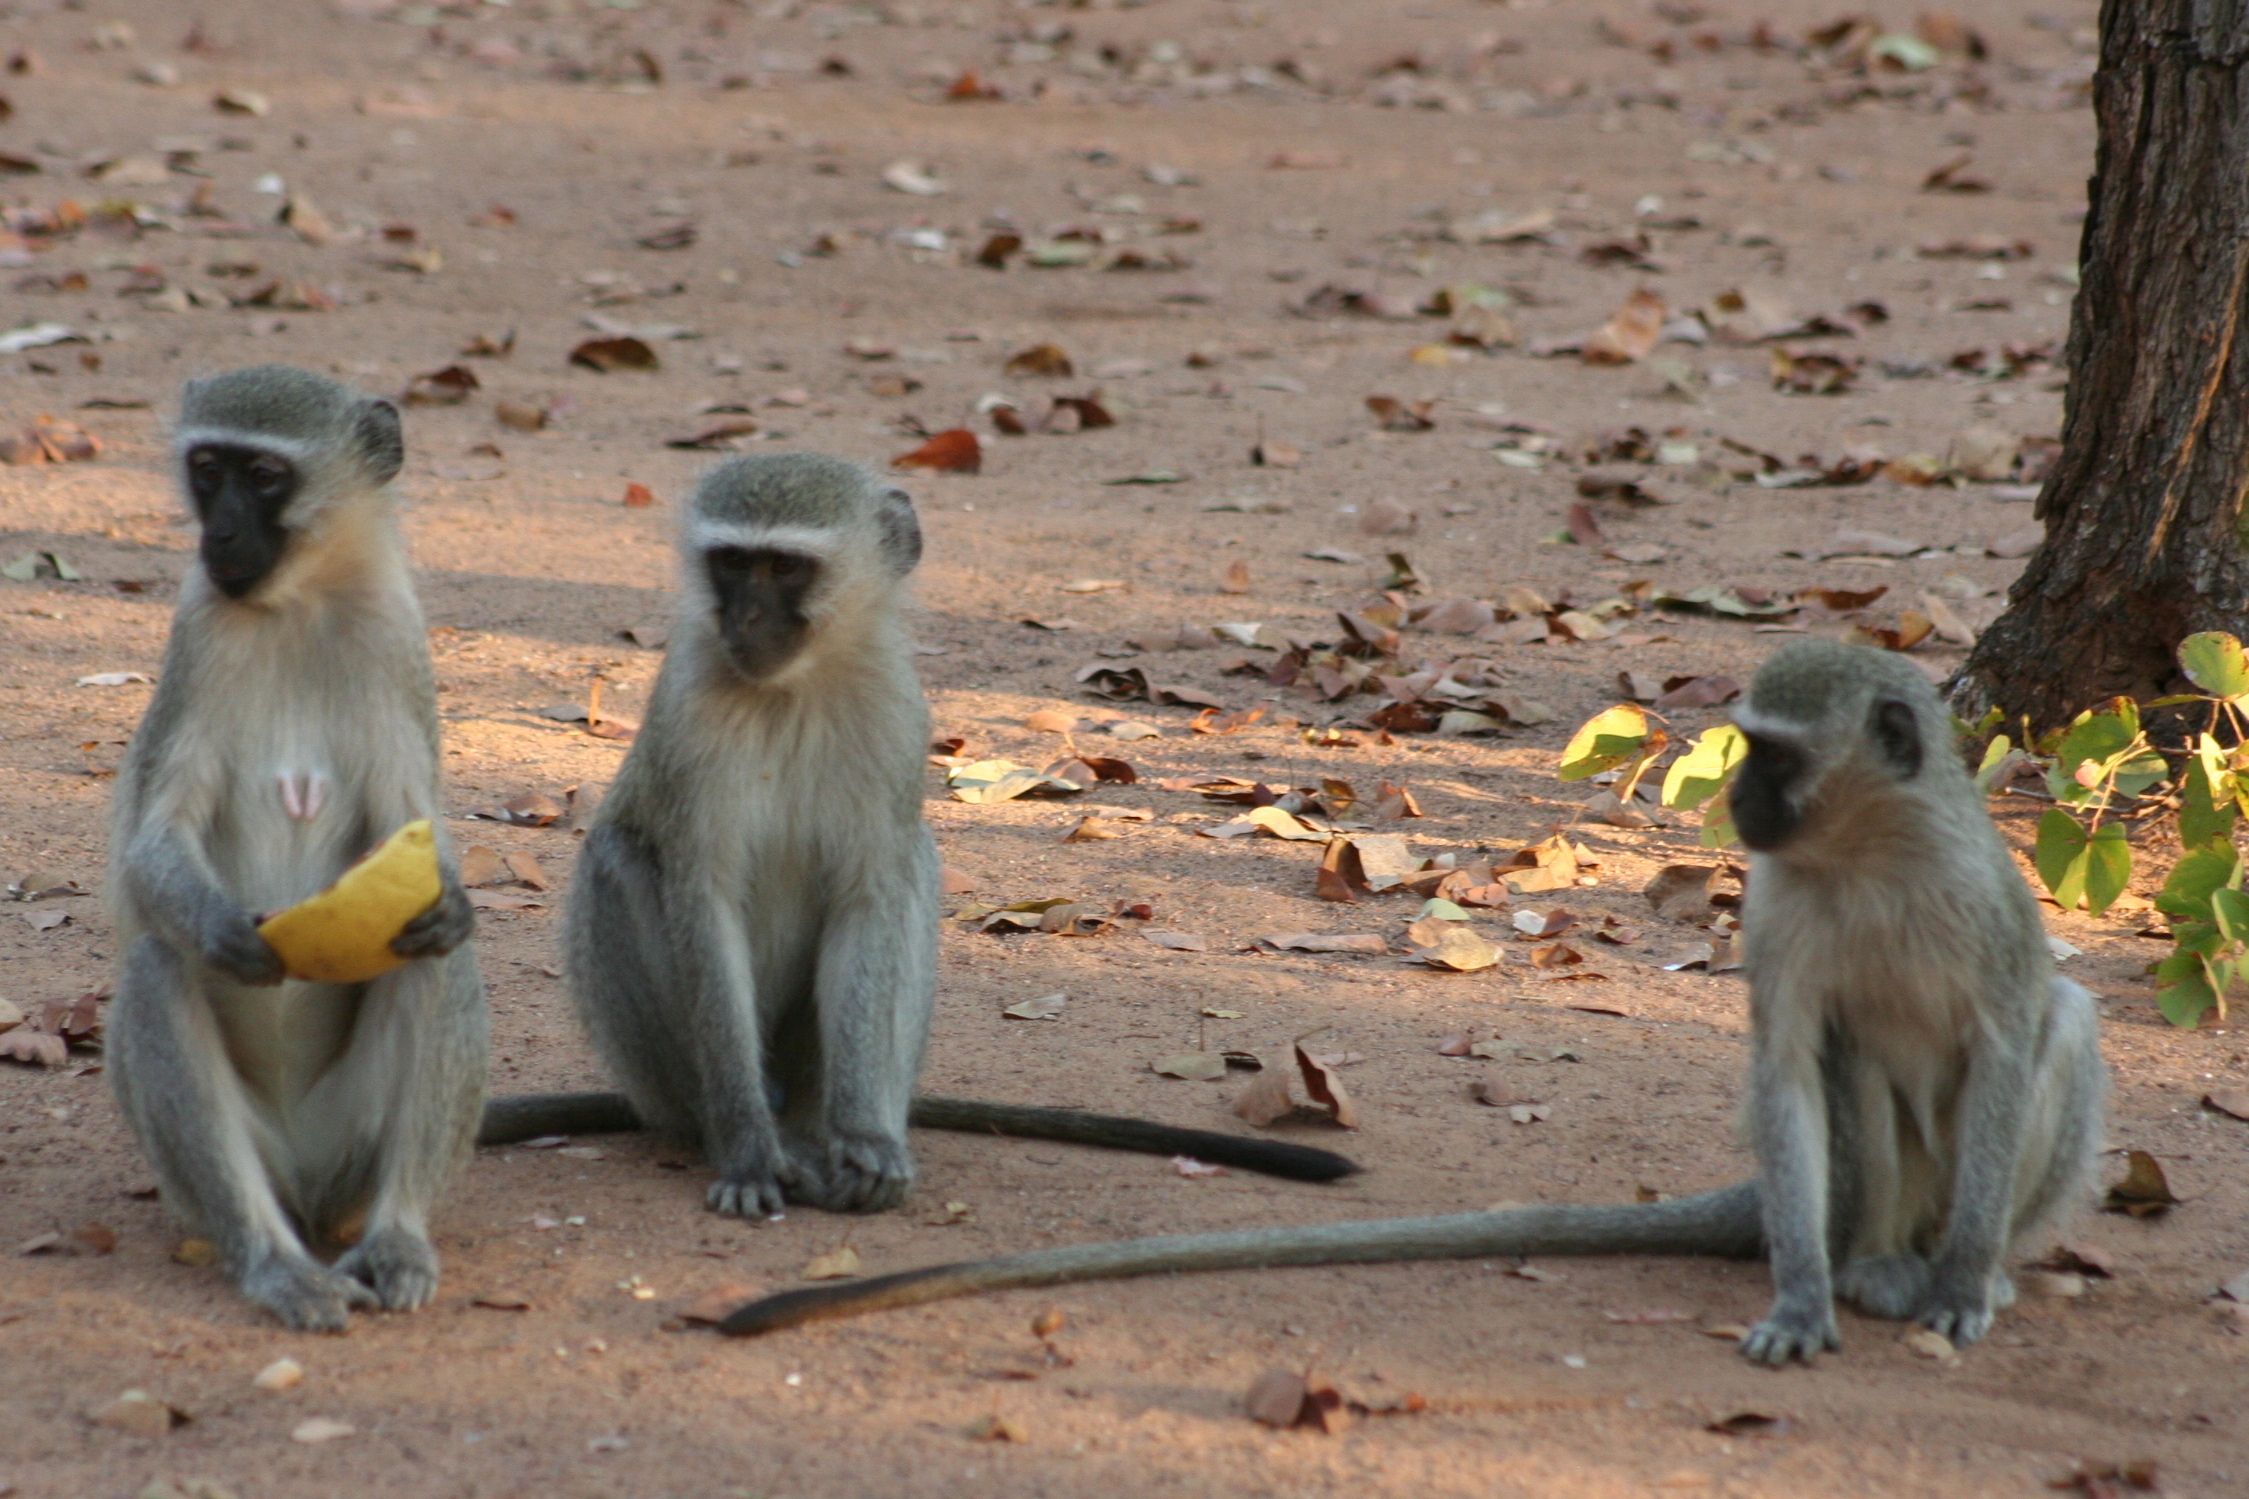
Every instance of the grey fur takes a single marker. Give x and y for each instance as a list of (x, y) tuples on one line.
[(752, 929), (291, 730), (1924, 1090)]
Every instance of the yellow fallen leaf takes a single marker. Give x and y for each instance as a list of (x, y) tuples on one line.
[(343, 934), (836, 1264)]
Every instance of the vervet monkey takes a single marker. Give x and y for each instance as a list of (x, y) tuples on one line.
[(751, 934), (294, 727), (1923, 1088)]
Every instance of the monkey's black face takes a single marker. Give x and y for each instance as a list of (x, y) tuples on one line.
[(761, 595), (1765, 811), (240, 495)]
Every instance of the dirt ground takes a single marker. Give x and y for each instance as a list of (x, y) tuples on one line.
[(1292, 179)]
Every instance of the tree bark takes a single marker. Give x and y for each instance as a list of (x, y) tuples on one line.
[(2144, 509)]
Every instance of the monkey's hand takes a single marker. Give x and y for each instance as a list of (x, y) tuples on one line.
[(441, 928), (232, 944), (1792, 1331)]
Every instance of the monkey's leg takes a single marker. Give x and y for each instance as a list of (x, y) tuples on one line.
[(414, 1083), (1788, 1117), (1994, 1107), (187, 1106), (876, 982), (1873, 1211), (741, 1138), (2064, 1131)]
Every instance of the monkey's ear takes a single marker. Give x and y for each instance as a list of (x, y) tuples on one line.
[(382, 444), (901, 531), (1897, 732)]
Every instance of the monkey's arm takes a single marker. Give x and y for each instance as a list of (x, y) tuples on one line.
[(1724, 1222), (173, 887), (1994, 1105), (1788, 1116), (526, 1116), (448, 923)]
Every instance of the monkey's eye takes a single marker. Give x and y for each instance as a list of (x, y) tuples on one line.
[(203, 465), (784, 567), (270, 475)]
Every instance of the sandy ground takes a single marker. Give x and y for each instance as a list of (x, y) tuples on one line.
[(1787, 173)]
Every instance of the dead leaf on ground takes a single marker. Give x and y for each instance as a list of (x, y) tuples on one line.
[(1044, 1007), (1402, 416), (2106, 1480), (998, 1428), (1459, 950), (449, 386), (1041, 359), (1746, 1423), (836, 1264), (514, 1301), (719, 1302), (956, 451), (1681, 892), (2144, 1192), (2234, 1101), (1631, 333), (1285, 1399), (1193, 1066), (50, 440), (605, 355), (1178, 941)]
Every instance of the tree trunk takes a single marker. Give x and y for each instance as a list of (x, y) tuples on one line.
[(2144, 509)]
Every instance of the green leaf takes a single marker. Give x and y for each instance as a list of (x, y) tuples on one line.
[(2081, 868), (2199, 874), (1718, 823), (2060, 857), (2215, 662), (1706, 769), (1605, 741), (2207, 796), (2097, 738), (2229, 912), (2108, 867), (1996, 757), (2182, 1003)]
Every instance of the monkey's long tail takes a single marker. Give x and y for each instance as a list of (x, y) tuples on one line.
[(526, 1116), (1726, 1223)]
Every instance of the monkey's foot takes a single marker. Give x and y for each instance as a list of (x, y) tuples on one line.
[(304, 1295), (400, 1267), (1792, 1332), (1885, 1285), (865, 1175), (754, 1193), (1962, 1308)]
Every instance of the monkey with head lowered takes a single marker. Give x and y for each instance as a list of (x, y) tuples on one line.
[(752, 926), (1924, 1090), (294, 727)]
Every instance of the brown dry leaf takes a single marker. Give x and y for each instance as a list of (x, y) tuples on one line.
[(608, 354), (49, 440), (1094, 829), (1402, 416), (1631, 333), (1275, 455), (837, 1264), (306, 222), (138, 1413), (449, 386), (1269, 1097), (522, 416), (1813, 374), (1041, 359), (2144, 1192), (533, 809), (2105, 1480), (2234, 1101), (729, 436), (1178, 941), (1952, 177), (956, 451), (525, 869), (1044, 1007), (1681, 892), (1051, 721), (1745, 1423), (1324, 1088), (1459, 950), (37, 1047), (485, 346), (1841, 600), (505, 1301), (1355, 942), (1193, 1066), (1236, 577), (1583, 528), (998, 1428), (1697, 692)]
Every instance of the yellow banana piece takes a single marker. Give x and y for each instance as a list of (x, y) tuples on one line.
[(343, 934)]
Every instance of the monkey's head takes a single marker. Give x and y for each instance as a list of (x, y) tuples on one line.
[(782, 550), (1832, 725), (266, 454)]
